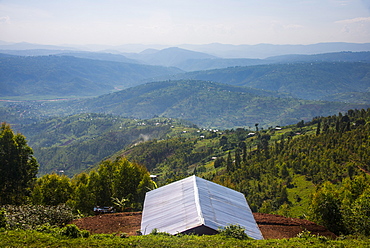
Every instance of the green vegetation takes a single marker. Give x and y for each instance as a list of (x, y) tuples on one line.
[(234, 231), (32, 217), (73, 144), (311, 81), (277, 169), (18, 167), (117, 183), (66, 76), (316, 170), (210, 105), (56, 239), (344, 209)]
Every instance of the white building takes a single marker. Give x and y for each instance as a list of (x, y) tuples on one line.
[(195, 205)]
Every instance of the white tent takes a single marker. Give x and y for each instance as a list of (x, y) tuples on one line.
[(195, 205)]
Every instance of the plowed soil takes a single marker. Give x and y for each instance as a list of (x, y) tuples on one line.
[(271, 226)]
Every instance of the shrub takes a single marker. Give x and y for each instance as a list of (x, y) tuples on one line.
[(33, 216), (72, 231), (234, 231), (155, 231), (3, 222)]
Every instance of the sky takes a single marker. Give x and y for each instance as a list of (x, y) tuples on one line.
[(172, 22)]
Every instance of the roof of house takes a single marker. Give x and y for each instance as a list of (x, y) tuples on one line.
[(196, 205)]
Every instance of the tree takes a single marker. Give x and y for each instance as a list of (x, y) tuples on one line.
[(325, 208), (52, 189), (18, 167), (117, 182)]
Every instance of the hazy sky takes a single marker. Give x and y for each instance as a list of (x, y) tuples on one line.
[(171, 22)]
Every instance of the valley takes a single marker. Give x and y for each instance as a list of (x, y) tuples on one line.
[(290, 132)]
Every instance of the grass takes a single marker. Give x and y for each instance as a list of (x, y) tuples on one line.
[(300, 196), (38, 239)]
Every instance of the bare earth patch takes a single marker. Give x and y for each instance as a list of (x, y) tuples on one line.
[(271, 226)]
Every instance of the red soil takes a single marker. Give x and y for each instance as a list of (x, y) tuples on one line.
[(271, 226)]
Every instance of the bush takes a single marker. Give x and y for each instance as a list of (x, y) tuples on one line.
[(155, 231), (3, 222), (33, 216), (72, 231), (234, 231)]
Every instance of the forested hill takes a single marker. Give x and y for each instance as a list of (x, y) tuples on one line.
[(311, 81), (278, 168), (210, 104), (75, 143), (64, 76)]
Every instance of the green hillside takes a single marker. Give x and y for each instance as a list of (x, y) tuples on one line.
[(76, 143), (46, 77), (317, 170), (311, 81), (277, 169), (212, 105), (206, 104)]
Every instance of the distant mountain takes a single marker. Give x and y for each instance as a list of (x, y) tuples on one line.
[(218, 63), (324, 57), (268, 50), (35, 52), (210, 104), (101, 56), (168, 57), (64, 76), (32, 46), (216, 49), (311, 81), (78, 54), (195, 62), (349, 97)]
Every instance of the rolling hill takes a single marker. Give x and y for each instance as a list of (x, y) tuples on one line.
[(212, 105), (76, 143), (64, 76), (311, 81)]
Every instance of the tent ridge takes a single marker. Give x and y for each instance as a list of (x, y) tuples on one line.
[(197, 201)]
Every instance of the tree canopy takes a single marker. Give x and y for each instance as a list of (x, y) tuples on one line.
[(18, 167)]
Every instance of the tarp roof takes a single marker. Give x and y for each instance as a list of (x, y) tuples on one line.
[(197, 205)]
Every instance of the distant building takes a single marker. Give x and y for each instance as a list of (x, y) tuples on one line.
[(195, 205)]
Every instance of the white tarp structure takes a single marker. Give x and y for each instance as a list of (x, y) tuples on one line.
[(195, 205)]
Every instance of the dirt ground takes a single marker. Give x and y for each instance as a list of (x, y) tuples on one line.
[(271, 226)]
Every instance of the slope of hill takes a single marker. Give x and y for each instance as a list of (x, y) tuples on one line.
[(267, 50), (324, 57), (352, 97), (100, 56), (219, 63), (168, 57), (310, 81), (277, 169), (61, 76), (75, 143), (206, 104), (210, 104)]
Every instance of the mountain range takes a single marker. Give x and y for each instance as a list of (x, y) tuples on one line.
[(216, 49), (66, 76), (277, 90)]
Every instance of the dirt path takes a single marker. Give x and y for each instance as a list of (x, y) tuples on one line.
[(271, 226)]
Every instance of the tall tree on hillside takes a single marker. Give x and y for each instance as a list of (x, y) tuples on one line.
[(18, 167), (52, 189)]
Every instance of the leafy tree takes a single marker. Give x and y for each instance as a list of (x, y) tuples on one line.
[(18, 168), (52, 189), (118, 181), (325, 208), (360, 218)]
